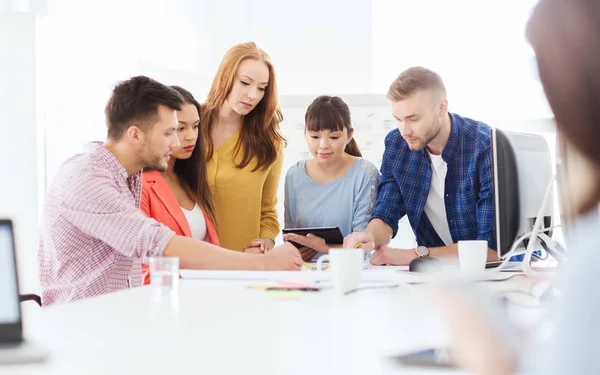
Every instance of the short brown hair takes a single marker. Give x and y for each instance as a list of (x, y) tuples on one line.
[(137, 99), (412, 80)]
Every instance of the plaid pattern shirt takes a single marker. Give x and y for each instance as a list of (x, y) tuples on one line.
[(468, 193), (94, 237)]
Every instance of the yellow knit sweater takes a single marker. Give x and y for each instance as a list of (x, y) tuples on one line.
[(244, 201)]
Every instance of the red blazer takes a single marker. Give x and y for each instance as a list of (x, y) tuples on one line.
[(159, 203)]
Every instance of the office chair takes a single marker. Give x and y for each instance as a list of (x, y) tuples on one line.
[(30, 297)]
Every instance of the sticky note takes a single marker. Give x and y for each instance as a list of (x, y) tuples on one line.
[(296, 283)]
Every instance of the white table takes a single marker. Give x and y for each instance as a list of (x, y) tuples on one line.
[(222, 327)]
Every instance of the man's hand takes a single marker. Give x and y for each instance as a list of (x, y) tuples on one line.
[(264, 244), (310, 240), (363, 239), (283, 257), (392, 256)]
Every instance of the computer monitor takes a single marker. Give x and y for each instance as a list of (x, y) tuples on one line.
[(522, 170)]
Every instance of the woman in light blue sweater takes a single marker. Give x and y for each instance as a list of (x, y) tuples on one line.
[(336, 187)]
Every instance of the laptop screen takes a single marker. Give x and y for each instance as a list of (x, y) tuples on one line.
[(9, 298)]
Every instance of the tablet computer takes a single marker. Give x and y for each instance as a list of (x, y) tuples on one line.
[(331, 235)]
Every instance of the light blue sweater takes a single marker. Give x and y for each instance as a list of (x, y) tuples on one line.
[(346, 203)]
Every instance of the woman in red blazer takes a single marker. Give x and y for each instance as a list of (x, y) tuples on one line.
[(180, 197)]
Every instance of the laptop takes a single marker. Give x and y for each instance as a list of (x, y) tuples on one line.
[(13, 349)]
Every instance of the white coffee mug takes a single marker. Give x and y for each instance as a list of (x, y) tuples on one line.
[(346, 266), (472, 256)]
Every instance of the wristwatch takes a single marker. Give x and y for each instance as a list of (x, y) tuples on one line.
[(422, 251)]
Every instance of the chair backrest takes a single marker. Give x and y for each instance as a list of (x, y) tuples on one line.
[(30, 297), (11, 329)]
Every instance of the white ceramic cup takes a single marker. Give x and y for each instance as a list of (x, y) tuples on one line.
[(472, 256), (346, 267)]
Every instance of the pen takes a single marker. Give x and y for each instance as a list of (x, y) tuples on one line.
[(358, 245), (262, 287), (308, 266)]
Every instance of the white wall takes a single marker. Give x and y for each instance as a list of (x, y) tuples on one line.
[(19, 139), (320, 47), (478, 47)]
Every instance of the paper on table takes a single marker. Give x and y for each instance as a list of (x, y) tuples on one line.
[(369, 275), (449, 276), (395, 268)]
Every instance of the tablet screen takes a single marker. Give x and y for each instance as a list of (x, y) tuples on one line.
[(331, 235)]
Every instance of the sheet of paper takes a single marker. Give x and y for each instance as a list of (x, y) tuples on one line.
[(368, 275), (451, 276), (371, 267)]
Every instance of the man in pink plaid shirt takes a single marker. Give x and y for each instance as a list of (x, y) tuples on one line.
[(94, 237)]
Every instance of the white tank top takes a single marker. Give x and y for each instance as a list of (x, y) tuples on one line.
[(196, 222)]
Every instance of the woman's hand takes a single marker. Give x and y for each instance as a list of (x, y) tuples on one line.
[(310, 241), (307, 253), (264, 245)]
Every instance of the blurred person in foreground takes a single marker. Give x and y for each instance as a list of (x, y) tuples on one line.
[(566, 38)]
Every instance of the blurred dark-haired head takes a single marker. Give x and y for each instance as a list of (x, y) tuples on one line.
[(565, 35)]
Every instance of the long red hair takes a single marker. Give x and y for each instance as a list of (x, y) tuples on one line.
[(260, 137)]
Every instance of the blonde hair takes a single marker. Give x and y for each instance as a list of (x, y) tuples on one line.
[(412, 80)]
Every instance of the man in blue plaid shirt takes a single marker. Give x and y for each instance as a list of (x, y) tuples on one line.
[(437, 170)]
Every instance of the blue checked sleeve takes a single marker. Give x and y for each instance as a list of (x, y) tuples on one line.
[(486, 223), (390, 205)]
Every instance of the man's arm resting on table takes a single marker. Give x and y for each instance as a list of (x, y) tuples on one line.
[(196, 254), (452, 251), (402, 257)]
